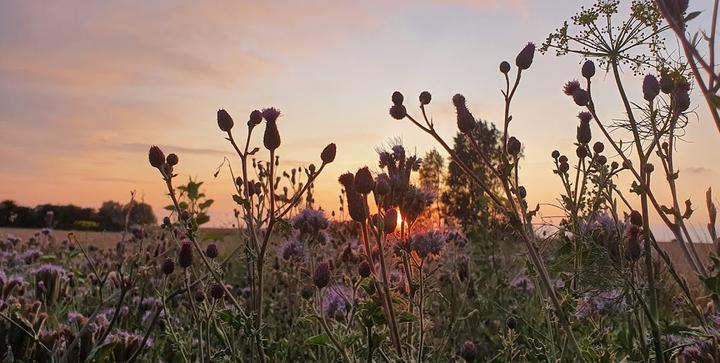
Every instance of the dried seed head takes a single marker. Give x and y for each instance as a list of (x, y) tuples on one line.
[(217, 291), (504, 67), (513, 146), (364, 182), (224, 121), (397, 98), (398, 112), (255, 118), (321, 278), (614, 165), (598, 147), (524, 59), (185, 256), (211, 251), (585, 116), (168, 266), (588, 69), (425, 97), (650, 87), (364, 269), (156, 157), (328, 154), (172, 159), (636, 218), (390, 221)]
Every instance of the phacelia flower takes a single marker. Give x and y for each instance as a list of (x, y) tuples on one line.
[(291, 249), (334, 304), (427, 243), (523, 284)]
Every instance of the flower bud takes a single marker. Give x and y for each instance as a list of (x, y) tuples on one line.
[(564, 167), (321, 278), (636, 218), (555, 154), (364, 269), (328, 154), (465, 120), (588, 69), (513, 146), (681, 96), (581, 97), (468, 351), (217, 291), (364, 182), (397, 98), (666, 84), (598, 147), (390, 220), (255, 118), (307, 292), (649, 168), (224, 121), (504, 67), (156, 157), (168, 266), (581, 152), (458, 100), (522, 192), (199, 296), (356, 205), (172, 160), (425, 97), (583, 133), (563, 159), (525, 58), (398, 112), (650, 87), (185, 256), (602, 160), (614, 165), (271, 138), (211, 251), (382, 185)]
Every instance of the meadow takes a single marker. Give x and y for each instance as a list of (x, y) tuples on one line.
[(422, 262)]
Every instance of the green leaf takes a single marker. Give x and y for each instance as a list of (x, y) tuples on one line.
[(241, 201), (692, 15), (202, 218), (321, 339), (170, 207), (206, 204), (406, 317), (102, 352)]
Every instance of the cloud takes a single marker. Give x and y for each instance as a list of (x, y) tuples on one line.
[(699, 170)]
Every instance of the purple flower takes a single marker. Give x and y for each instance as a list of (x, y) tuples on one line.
[(523, 284), (428, 243), (290, 249), (335, 303), (310, 221)]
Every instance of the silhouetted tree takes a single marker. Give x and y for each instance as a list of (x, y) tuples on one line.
[(140, 213), (110, 216), (432, 170)]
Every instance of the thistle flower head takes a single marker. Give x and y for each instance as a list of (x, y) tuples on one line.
[(364, 182), (156, 157), (524, 59), (185, 256), (650, 87), (581, 97), (584, 134), (255, 118), (168, 266), (224, 121), (310, 221), (458, 100), (217, 292), (427, 244), (271, 137), (328, 154), (270, 114), (588, 69), (570, 87)]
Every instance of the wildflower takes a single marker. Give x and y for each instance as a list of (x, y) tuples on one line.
[(414, 202), (504, 67), (427, 243), (328, 154), (513, 146), (666, 84), (650, 87), (364, 182), (172, 159), (156, 157), (465, 119), (290, 249), (523, 284), (185, 256), (588, 69), (398, 112), (468, 351), (581, 97), (334, 303), (255, 118), (168, 266), (570, 87), (310, 221), (525, 57), (390, 221), (355, 203), (598, 147), (364, 269), (382, 185), (211, 251), (321, 278), (425, 97), (583, 132), (271, 138), (224, 121)]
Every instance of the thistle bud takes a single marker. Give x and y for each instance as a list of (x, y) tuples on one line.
[(636, 218), (504, 67), (271, 138), (513, 146), (425, 97), (564, 167), (581, 152), (199, 296), (364, 269), (525, 58), (633, 250), (581, 97), (328, 154), (397, 98), (255, 118), (649, 168), (217, 291), (172, 159), (398, 112), (602, 160), (598, 147), (321, 278), (555, 154), (224, 121), (522, 192), (168, 266), (650, 88), (185, 256), (588, 69), (583, 133), (614, 165), (307, 292), (390, 221), (682, 97), (156, 157), (356, 206), (465, 120), (468, 351), (666, 84), (458, 100), (563, 159), (364, 182), (211, 251)]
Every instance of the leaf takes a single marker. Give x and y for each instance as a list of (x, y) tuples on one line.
[(692, 15), (202, 218), (170, 207), (101, 353), (206, 204), (406, 317), (241, 201), (688, 209), (321, 339)]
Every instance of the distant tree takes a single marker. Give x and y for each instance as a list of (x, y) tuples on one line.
[(110, 216), (139, 213), (431, 173), (463, 200), (61, 216), (13, 215)]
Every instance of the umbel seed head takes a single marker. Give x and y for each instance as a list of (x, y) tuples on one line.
[(524, 59), (328, 154), (225, 122), (156, 157), (397, 98), (425, 97), (185, 256), (588, 69), (504, 67), (364, 182), (172, 159)]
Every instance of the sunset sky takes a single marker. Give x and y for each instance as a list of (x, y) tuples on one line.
[(87, 86)]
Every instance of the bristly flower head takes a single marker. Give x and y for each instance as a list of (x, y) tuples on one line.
[(271, 138), (524, 59), (465, 119), (570, 87), (270, 114), (523, 284), (291, 249), (156, 157), (468, 351), (310, 221), (335, 304), (427, 243), (583, 131), (185, 256), (224, 121)]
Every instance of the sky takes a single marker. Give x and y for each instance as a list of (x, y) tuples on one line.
[(87, 87)]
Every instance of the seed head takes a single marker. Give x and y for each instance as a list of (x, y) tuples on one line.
[(185, 257), (513, 146), (458, 100), (364, 182), (564, 167), (681, 94), (328, 154), (321, 278), (397, 98), (588, 69), (199, 296), (224, 121), (525, 58), (255, 118), (649, 168), (598, 147), (650, 87), (156, 157), (425, 97), (563, 159), (172, 160), (504, 67), (211, 251), (398, 112), (602, 160), (585, 116)]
